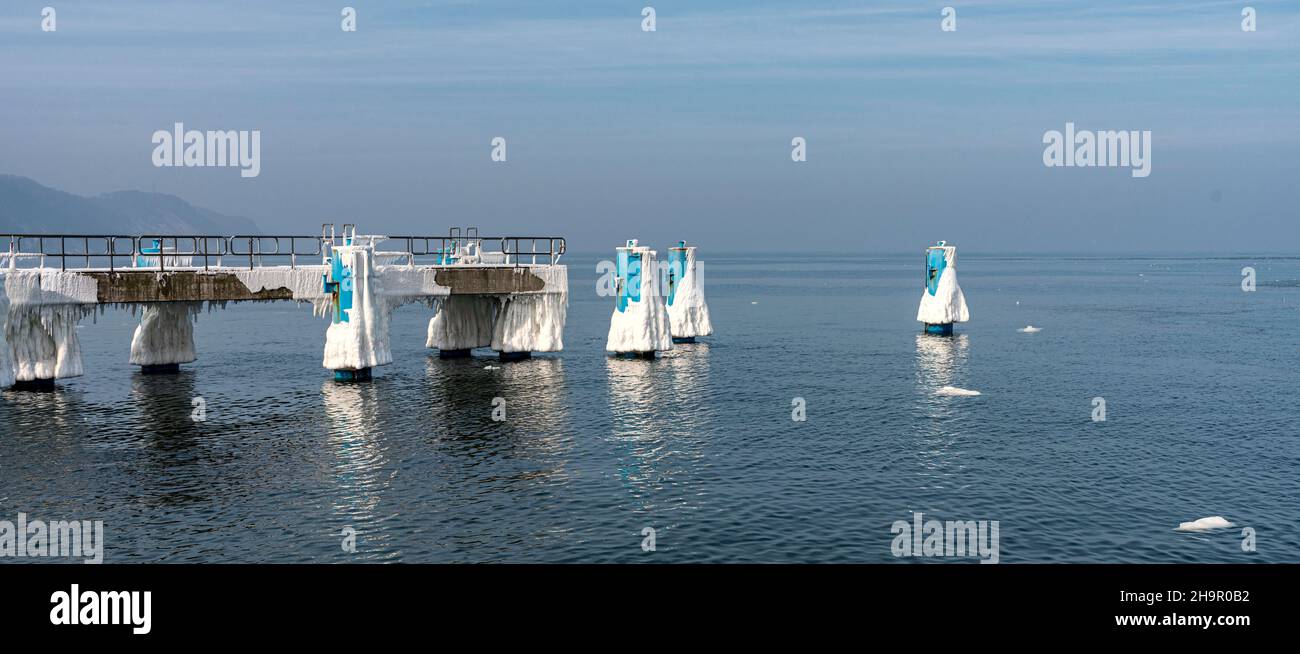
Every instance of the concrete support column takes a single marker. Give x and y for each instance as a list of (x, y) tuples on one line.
[(165, 337), (357, 338), (42, 341), (639, 325), (463, 322), (530, 323), (688, 313)]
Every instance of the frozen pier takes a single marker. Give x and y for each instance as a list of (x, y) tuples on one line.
[(507, 293)]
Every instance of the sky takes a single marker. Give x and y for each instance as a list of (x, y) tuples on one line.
[(913, 133)]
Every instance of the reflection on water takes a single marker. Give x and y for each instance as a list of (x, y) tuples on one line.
[(464, 392), (360, 472), (660, 421), (168, 422), (940, 361)]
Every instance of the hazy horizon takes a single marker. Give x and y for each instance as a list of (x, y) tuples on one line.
[(913, 134)]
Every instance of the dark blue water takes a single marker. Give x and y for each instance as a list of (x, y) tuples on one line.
[(1198, 376)]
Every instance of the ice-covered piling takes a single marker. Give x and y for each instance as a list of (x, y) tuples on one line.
[(532, 322), (942, 302), (639, 325), (165, 337), (357, 338), (688, 314), (41, 310), (462, 323)]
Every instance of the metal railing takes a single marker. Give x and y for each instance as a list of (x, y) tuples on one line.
[(158, 252), (276, 248), (93, 247)]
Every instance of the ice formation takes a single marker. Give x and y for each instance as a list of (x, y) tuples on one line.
[(1213, 522), (165, 334), (1030, 329), (957, 392), (6, 366), (41, 312), (639, 323), (531, 322), (359, 338), (942, 301), (688, 314), (463, 322)]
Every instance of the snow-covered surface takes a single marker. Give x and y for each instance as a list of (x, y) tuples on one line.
[(1212, 522), (644, 326), (362, 341), (688, 315), (305, 282), (956, 392), (463, 322), (532, 322), (165, 334), (947, 304)]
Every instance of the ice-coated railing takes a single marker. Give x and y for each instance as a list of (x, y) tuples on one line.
[(159, 252)]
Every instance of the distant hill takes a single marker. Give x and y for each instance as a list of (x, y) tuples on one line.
[(28, 207)]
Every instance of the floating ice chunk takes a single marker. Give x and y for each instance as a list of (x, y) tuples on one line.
[(1204, 524), (491, 367), (954, 391), (1030, 329)]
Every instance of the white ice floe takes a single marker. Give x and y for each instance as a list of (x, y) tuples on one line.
[(643, 325), (165, 334), (1030, 329), (1204, 524), (948, 304), (491, 367), (688, 313), (361, 341), (463, 322), (954, 391)]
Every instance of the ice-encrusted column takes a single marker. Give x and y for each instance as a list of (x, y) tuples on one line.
[(942, 302), (531, 322), (463, 322), (165, 337), (639, 325), (6, 365), (40, 326), (357, 338), (688, 314)]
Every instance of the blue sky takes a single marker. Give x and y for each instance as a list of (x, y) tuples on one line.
[(913, 134)]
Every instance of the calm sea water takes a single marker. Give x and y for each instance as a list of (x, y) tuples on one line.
[(1198, 376)]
